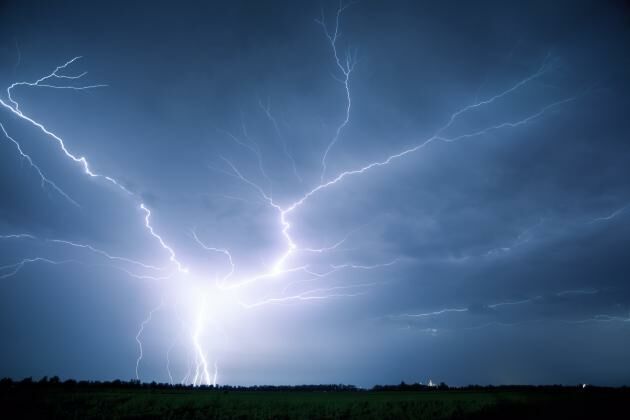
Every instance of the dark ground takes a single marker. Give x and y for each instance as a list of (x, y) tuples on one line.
[(71, 400)]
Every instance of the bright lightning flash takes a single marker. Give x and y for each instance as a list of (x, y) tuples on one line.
[(201, 303)]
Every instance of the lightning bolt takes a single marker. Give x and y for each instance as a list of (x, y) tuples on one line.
[(199, 371), (284, 212), (143, 324), (202, 374), (267, 110), (533, 299), (435, 313), (14, 107), (345, 67), (44, 82), (18, 236), (254, 149), (84, 246), (147, 224), (279, 267), (315, 294), (611, 215), (43, 179), (105, 254), (220, 251), (15, 268)]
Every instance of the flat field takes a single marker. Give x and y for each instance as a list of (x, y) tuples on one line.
[(60, 402)]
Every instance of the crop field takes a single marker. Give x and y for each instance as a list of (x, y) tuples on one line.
[(62, 402)]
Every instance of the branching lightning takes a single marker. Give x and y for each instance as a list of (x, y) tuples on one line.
[(13, 269), (143, 324), (202, 369), (315, 294), (504, 305), (345, 66), (14, 108), (44, 181), (147, 224), (90, 248), (267, 110), (225, 252), (611, 215)]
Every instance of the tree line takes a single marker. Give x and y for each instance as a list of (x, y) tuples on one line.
[(55, 381)]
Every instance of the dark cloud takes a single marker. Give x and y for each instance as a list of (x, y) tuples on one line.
[(525, 228)]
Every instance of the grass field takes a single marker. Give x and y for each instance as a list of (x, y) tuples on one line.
[(110, 403)]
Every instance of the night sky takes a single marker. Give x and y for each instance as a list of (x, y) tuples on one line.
[(207, 195)]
